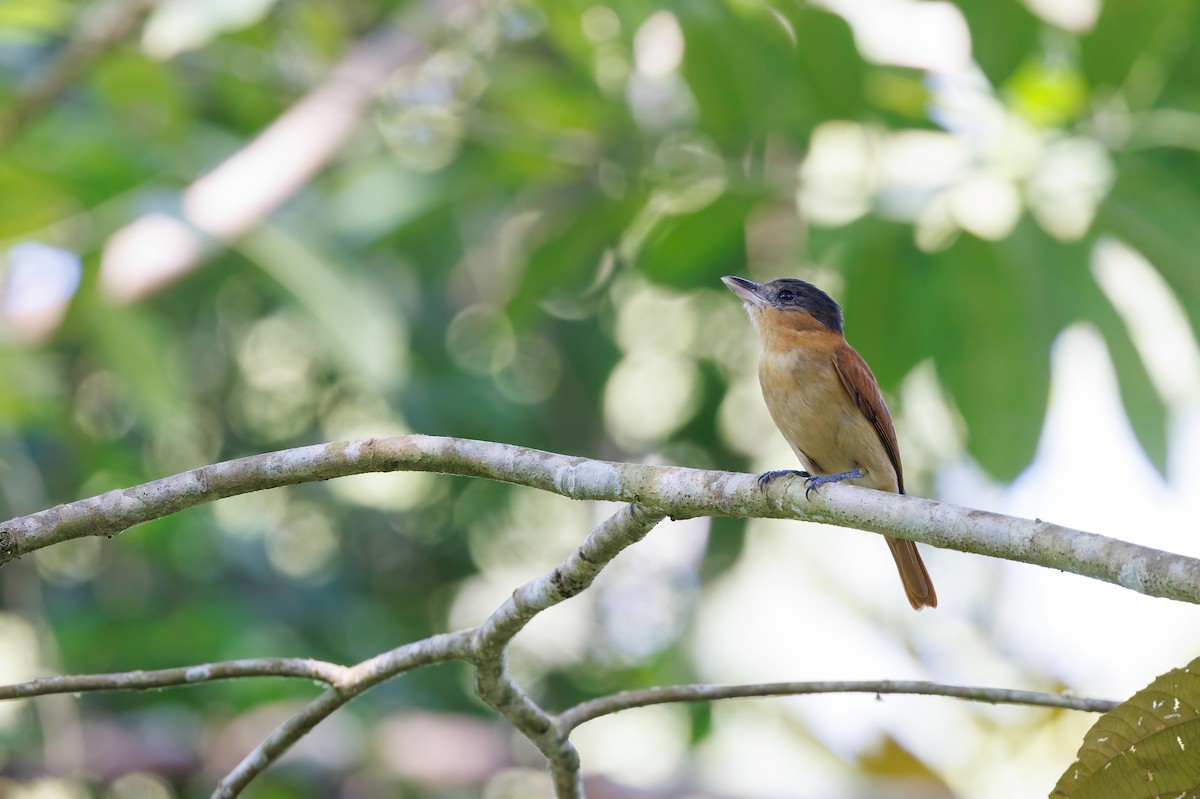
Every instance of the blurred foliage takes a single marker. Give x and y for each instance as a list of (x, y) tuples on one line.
[(1139, 748), (522, 243)]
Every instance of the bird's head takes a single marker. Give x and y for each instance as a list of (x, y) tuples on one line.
[(788, 301)]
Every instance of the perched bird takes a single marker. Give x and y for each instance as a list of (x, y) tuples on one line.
[(826, 402)]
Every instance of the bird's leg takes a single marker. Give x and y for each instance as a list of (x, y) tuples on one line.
[(767, 477), (816, 481)]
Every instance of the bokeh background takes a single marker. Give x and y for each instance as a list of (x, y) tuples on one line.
[(507, 220)]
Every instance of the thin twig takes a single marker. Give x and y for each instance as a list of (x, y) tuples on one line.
[(655, 490), (282, 739), (569, 719), (492, 680), (140, 680), (676, 491), (437, 649)]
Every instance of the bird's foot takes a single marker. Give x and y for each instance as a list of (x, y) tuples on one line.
[(767, 477), (816, 481)]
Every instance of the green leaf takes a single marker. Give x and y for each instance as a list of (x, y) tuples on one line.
[(887, 289), (29, 201), (139, 345), (32, 20), (750, 76), (1075, 292), (547, 97), (142, 96), (350, 312), (695, 249), (1146, 747), (1128, 31), (1144, 406), (992, 350), (980, 310), (729, 78), (572, 258), (1154, 211), (829, 61), (1003, 34)]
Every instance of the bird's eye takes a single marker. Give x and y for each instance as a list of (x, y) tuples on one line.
[(786, 296)]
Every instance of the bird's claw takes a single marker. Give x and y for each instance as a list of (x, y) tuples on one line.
[(767, 477), (811, 485), (813, 482)]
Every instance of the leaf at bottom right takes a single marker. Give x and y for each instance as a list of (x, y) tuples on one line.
[(1148, 747)]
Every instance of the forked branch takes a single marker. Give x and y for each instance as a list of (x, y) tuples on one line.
[(675, 491), (653, 493)]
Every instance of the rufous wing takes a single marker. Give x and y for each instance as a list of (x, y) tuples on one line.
[(863, 388), (860, 384)]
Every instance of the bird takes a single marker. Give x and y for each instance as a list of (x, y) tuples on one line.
[(827, 404)]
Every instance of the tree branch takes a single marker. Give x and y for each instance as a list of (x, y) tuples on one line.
[(490, 642), (329, 673), (486, 647), (569, 719), (655, 491), (369, 673), (675, 491)]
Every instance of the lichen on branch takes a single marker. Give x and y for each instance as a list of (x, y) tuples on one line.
[(675, 491)]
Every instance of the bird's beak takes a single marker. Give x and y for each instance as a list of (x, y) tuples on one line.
[(748, 290)]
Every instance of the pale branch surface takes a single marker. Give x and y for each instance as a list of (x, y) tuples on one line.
[(493, 682), (141, 680), (675, 491), (369, 673), (485, 647), (571, 718)]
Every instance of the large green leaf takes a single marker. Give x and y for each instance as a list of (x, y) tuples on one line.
[(729, 77), (1003, 34), (1144, 406), (981, 311), (1154, 210), (991, 351), (750, 77), (1147, 747), (143, 95), (886, 295), (573, 251), (29, 201), (546, 98), (351, 314), (829, 62), (1075, 293), (139, 345), (1128, 31), (694, 249)]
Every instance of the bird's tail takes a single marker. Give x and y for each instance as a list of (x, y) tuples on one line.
[(913, 574)]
